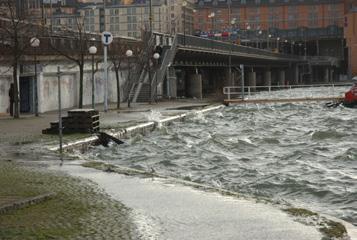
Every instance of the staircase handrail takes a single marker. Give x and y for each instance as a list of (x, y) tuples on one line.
[(167, 58), (140, 68)]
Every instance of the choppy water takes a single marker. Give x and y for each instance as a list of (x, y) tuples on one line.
[(304, 154)]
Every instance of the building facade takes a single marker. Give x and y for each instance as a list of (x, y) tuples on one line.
[(125, 19), (351, 35), (311, 28)]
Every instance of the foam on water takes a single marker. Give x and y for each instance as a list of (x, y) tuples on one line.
[(302, 153)]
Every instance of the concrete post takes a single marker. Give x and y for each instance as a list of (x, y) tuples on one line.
[(228, 78), (296, 74), (40, 91), (267, 78), (282, 77), (195, 86), (326, 75), (171, 83), (252, 78), (332, 77)]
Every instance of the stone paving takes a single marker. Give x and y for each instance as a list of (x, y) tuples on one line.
[(79, 210)]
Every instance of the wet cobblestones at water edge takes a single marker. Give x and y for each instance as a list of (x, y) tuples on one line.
[(79, 210)]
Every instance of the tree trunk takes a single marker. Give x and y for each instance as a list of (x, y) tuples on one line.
[(81, 66), (16, 92), (118, 87)]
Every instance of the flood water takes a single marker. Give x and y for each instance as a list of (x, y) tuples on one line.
[(304, 154)]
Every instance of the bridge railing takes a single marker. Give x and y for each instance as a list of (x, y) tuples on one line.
[(286, 91), (204, 43)]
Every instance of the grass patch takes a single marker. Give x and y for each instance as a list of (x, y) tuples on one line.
[(300, 212), (334, 230), (331, 229), (77, 210)]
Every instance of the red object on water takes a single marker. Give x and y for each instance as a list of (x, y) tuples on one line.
[(351, 95), (225, 34)]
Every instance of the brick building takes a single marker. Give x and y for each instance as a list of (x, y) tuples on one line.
[(312, 28), (351, 34)]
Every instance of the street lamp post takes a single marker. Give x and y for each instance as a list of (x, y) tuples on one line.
[(260, 32), (211, 16), (129, 53), (35, 43), (232, 22), (292, 47), (248, 29), (268, 41), (184, 4), (92, 52), (156, 57), (277, 44), (150, 16)]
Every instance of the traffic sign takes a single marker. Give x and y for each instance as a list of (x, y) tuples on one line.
[(107, 38)]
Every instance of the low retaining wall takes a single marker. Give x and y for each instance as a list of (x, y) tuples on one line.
[(25, 202), (144, 128)]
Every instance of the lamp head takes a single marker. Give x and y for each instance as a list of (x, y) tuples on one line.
[(35, 42), (93, 50), (156, 56), (129, 53)]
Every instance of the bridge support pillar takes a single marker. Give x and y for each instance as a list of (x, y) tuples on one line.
[(195, 86), (332, 75), (267, 78), (296, 74), (252, 78), (326, 75), (282, 77)]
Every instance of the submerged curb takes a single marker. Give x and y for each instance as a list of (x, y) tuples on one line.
[(83, 144)]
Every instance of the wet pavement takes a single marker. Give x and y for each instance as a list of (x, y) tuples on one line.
[(164, 210)]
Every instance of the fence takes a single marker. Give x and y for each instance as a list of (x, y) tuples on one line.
[(286, 91)]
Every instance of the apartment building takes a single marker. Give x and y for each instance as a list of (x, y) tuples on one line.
[(351, 34), (129, 19), (311, 28), (181, 15)]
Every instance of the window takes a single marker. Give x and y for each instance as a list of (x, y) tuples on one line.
[(313, 16), (292, 16)]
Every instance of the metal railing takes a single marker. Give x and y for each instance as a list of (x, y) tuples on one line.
[(204, 43), (139, 76), (167, 59), (286, 91)]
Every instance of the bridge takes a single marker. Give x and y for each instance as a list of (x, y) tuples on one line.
[(191, 66)]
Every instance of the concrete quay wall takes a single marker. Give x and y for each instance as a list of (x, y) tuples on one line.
[(143, 128), (47, 85)]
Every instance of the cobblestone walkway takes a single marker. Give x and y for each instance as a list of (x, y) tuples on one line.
[(79, 210)]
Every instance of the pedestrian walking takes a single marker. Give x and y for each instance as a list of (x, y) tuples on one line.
[(12, 99)]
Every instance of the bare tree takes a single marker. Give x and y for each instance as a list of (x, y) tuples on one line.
[(117, 59), (16, 30), (78, 53), (117, 55)]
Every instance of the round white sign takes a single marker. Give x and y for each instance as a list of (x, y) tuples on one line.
[(107, 38)]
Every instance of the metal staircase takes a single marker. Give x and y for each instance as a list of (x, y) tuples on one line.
[(140, 72), (141, 91), (167, 60)]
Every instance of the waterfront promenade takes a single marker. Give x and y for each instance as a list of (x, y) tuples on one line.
[(160, 208)]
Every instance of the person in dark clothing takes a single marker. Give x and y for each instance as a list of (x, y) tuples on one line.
[(12, 99)]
